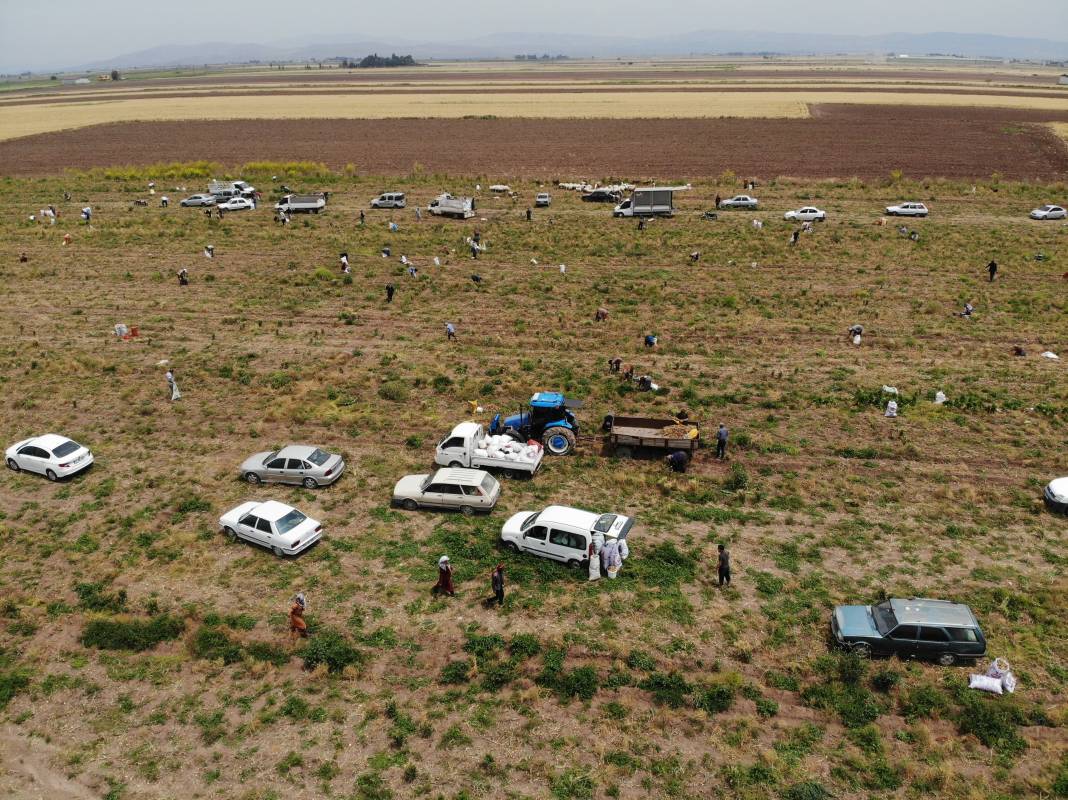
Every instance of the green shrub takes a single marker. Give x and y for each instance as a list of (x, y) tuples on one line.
[(295, 708), (136, 634), (992, 723), (270, 653), (213, 644), (640, 660), (330, 647), (851, 668), (572, 784), (807, 790), (497, 675), (456, 672), (766, 707), (716, 699), (885, 679), (737, 480), (91, 596), (669, 690), (394, 391), (524, 645), (580, 682), (482, 646), (11, 683), (923, 701)]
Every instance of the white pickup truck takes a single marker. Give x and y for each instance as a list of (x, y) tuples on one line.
[(470, 446), (311, 203)]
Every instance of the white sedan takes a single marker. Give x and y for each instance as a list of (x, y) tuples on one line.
[(907, 210), (806, 214), (237, 204), (50, 455), (280, 528), (1049, 212)]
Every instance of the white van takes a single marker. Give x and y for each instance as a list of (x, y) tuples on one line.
[(390, 200)]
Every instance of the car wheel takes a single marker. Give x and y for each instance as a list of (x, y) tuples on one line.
[(231, 534), (467, 511), (253, 478), (410, 505), (277, 551), (861, 649), (947, 659), (310, 483), (510, 473), (512, 546), (455, 465), (11, 465), (572, 564), (51, 475)]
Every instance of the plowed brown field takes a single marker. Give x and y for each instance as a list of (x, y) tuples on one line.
[(838, 141)]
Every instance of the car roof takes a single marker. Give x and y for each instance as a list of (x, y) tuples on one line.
[(272, 510), (296, 451), (924, 611), (465, 429), (49, 441), (459, 475), (569, 516)]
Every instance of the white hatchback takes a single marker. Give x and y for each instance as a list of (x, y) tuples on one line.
[(280, 528), (50, 455)]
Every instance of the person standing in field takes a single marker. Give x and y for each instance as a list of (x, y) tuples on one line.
[(297, 626), (450, 331), (172, 386), (497, 582), (724, 565), (390, 289), (992, 268), (721, 442), (444, 584)]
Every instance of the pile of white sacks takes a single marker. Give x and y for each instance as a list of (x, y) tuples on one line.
[(507, 448)]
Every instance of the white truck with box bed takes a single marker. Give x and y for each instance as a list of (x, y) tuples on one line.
[(470, 446), (293, 203)]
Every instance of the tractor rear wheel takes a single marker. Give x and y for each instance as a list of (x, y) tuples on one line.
[(559, 441)]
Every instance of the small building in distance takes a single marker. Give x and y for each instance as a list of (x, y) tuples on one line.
[(1063, 80)]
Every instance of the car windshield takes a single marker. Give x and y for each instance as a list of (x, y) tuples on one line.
[(290, 521), (529, 521), (270, 457), (604, 523), (885, 620), (487, 483), (318, 457), (1046, 208), (66, 449)]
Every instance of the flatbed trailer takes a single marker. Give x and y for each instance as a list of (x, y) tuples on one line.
[(628, 433)]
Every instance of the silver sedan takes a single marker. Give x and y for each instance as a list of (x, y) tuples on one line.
[(298, 464)]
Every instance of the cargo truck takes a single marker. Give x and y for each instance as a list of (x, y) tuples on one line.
[(445, 205), (653, 201)]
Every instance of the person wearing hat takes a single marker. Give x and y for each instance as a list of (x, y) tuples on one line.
[(444, 584), (297, 625)]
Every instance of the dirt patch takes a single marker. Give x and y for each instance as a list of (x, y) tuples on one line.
[(25, 772), (838, 141)]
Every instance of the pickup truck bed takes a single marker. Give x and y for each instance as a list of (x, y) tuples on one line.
[(630, 432)]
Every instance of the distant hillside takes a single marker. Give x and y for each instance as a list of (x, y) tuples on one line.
[(506, 45)]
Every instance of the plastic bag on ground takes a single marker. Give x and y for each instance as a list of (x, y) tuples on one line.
[(984, 683), (889, 389), (940, 398), (1052, 355)]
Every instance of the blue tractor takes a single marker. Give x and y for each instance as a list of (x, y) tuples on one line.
[(548, 419)]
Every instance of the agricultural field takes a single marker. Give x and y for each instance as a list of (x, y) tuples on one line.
[(142, 655)]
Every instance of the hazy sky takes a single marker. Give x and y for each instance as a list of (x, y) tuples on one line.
[(45, 34)]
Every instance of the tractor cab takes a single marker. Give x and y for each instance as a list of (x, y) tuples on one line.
[(548, 418)]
